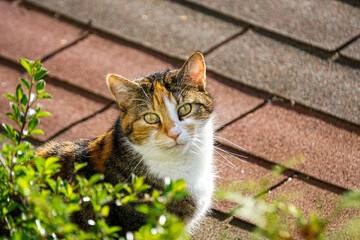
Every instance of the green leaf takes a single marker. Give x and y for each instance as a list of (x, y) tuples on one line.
[(36, 131), (15, 109), (12, 117), (10, 97), (52, 184), (155, 194), (17, 136), (24, 100), (95, 178), (19, 92), (26, 64), (105, 210), (40, 74), (21, 119), (119, 187), (113, 230), (38, 108), (128, 189), (180, 195), (25, 82), (128, 199), (7, 127), (143, 209), (39, 163), (40, 86), (23, 147), (50, 160), (23, 107), (43, 114), (79, 166), (32, 124), (142, 188), (38, 64), (44, 95)]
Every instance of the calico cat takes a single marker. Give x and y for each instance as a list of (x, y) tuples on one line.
[(165, 129)]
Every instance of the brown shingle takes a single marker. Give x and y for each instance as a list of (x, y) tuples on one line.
[(162, 25), (278, 132), (325, 25), (30, 34), (264, 63)]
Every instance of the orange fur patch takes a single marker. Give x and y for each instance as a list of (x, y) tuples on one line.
[(99, 155)]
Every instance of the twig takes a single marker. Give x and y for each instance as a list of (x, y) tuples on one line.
[(4, 165)]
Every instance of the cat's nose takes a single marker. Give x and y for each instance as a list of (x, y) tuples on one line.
[(174, 133)]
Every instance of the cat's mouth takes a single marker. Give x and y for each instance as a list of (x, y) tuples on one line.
[(178, 145)]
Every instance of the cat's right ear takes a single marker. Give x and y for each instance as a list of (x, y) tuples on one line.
[(121, 87)]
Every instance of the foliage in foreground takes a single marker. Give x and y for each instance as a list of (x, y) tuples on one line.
[(278, 219), (35, 204)]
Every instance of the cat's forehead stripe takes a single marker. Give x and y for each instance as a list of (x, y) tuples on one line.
[(165, 103), (160, 92)]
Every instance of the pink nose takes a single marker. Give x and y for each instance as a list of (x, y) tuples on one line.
[(174, 133)]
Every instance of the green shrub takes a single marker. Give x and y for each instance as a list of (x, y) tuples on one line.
[(277, 219), (34, 204)]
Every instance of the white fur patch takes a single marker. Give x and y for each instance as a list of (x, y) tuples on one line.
[(193, 163)]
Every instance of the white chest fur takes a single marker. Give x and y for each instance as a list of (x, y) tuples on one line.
[(195, 167)]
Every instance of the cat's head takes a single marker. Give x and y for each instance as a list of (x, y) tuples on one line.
[(166, 110)]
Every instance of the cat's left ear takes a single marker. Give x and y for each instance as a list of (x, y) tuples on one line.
[(121, 88), (194, 71)]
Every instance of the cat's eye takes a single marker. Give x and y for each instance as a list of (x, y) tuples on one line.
[(184, 110), (151, 118)]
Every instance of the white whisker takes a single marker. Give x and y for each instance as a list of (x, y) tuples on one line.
[(184, 88), (194, 152), (231, 143), (141, 104), (196, 146), (137, 99), (144, 92), (226, 159), (135, 168), (140, 162), (224, 163), (232, 154)]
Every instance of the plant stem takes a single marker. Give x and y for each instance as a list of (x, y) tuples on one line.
[(4, 165), (27, 109), (8, 225)]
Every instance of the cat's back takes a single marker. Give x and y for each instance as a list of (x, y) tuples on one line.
[(69, 153)]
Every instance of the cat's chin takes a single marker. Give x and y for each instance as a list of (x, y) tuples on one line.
[(177, 147)]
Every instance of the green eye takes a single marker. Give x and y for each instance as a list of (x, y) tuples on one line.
[(151, 118), (184, 110)]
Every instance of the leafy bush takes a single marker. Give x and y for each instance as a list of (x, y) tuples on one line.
[(277, 219), (34, 204)]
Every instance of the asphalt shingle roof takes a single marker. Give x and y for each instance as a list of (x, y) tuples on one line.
[(263, 58)]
